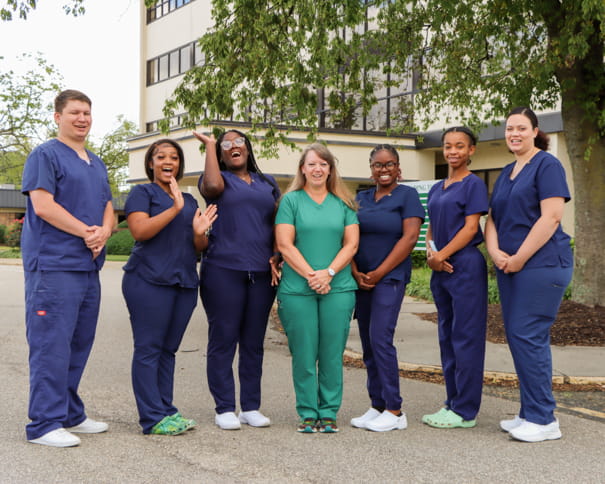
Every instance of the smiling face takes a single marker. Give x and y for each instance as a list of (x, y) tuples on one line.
[(457, 149), (74, 121), (236, 157), (165, 163), (519, 134), (385, 168), (315, 170)]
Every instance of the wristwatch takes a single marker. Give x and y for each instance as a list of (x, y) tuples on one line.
[(331, 271)]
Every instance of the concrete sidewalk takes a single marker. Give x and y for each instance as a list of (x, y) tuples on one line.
[(418, 349)]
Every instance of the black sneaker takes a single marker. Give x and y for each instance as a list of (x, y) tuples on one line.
[(307, 426), (327, 426)]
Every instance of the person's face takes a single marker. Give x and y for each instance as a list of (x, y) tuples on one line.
[(165, 163), (315, 170), (519, 134), (236, 155), (457, 149), (74, 121), (385, 168)]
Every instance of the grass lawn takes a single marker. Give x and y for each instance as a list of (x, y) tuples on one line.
[(15, 253)]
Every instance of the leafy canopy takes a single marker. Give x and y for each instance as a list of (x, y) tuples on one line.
[(26, 103), (22, 8), (267, 65)]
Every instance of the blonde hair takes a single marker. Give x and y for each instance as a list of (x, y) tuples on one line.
[(334, 183)]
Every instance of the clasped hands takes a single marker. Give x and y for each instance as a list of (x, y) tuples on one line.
[(96, 238), (319, 281)]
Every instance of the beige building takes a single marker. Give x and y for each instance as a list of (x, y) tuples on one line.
[(168, 49)]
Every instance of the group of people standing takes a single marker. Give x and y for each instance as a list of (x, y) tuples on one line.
[(326, 255)]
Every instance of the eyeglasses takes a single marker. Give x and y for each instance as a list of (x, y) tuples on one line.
[(379, 166), (228, 144)]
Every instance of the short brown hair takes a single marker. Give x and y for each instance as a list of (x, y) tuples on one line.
[(70, 95)]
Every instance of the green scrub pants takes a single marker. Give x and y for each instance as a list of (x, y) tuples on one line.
[(317, 327)]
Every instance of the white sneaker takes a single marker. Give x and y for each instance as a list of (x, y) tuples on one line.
[(508, 425), (57, 438), (532, 432), (89, 426), (360, 422), (227, 421), (387, 421), (254, 418)]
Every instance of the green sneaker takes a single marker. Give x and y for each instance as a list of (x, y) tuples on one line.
[(187, 422), (168, 426), (307, 426), (328, 426)]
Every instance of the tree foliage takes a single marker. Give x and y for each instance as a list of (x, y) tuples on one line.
[(22, 8), (113, 151), (25, 112), (461, 61)]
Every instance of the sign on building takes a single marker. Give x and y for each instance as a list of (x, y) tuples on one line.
[(422, 187)]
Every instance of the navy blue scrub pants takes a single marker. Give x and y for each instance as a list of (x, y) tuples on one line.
[(237, 305), (377, 312), (159, 316), (461, 300), (530, 301), (61, 312)]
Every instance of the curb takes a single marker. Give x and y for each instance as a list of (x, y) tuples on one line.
[(494, 377)]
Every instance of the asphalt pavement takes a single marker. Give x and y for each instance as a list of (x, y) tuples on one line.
[(419, 454)]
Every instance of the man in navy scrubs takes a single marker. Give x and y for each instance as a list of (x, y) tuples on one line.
[(68, 220)]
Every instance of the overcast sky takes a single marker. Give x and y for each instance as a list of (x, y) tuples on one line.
[(97, 53)]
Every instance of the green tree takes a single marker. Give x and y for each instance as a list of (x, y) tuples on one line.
[(267, 65), (25, 112), (113, 151), (23, 8), (26, 103), (11, 167)]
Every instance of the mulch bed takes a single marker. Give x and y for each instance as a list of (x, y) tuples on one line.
[(576, 325)]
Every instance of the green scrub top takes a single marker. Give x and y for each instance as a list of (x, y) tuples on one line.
[(319, 233)]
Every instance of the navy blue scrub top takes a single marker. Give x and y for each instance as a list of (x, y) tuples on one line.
[(169, 258), (448, 208), (381, 227), (81, 188), (242, 236), (515, 208)]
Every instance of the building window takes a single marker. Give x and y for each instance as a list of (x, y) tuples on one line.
[(173, 63), (164, 7)]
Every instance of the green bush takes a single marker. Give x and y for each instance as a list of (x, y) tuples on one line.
[(420, 284), (120, 243), (3, 230), (418, 258), (13, 235)]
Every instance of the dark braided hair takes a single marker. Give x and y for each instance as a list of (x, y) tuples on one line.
[(391, 149)]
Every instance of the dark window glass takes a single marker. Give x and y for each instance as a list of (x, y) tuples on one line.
[(185, 58), (163, 74), (174, 63), (152, 71)]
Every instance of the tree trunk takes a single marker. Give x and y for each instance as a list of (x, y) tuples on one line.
[(589, 204)]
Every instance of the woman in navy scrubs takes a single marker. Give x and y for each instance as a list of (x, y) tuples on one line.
[(459, 280), (236, 281), (390, 216), (534, 265), (160, 282)]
